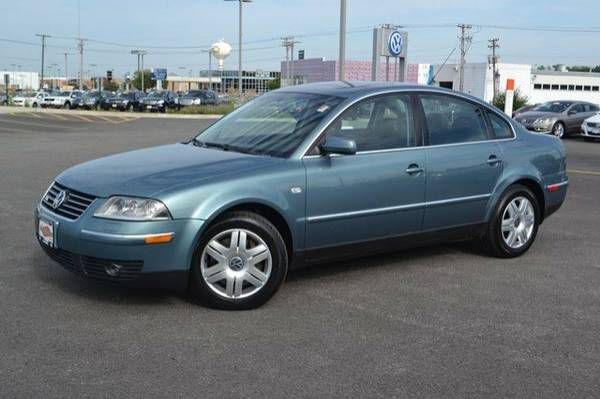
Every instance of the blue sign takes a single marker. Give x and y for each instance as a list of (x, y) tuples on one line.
[(159, 74), (395, 43)]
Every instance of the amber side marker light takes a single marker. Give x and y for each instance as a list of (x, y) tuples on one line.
[(158, 238)]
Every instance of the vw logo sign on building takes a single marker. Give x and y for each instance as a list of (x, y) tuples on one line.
[(395, 43)]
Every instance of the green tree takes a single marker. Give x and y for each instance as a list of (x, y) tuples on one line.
[(519, 100), (111, 86), (274, 84), (148, 82)]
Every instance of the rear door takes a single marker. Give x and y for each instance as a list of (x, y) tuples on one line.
[(463, 163)]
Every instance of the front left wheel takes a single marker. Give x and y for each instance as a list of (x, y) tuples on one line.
[(240, 262)]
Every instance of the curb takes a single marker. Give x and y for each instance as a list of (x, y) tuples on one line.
[(108, 114)]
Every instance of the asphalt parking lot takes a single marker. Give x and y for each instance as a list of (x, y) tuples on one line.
[(433, 322)]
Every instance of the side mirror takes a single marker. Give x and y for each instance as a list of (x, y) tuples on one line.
[(338, 145), (572, 112)]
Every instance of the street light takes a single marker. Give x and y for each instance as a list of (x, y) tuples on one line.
[(240, 44), (140, 53)]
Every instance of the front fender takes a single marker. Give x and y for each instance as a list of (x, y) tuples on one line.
[(269, 188)]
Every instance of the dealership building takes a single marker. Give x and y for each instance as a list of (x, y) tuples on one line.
[(538, 86)]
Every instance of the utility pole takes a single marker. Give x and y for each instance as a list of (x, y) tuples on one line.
[(342, 57), (67, 66), (43, 36), (288, 42), (80, 46), (494, 46), (465, 43)]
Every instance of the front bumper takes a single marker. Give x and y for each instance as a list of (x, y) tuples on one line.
[(94, 247), (592, 132)]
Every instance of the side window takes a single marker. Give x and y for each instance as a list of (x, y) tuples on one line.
[(381, 123), (451, 120), (500, 127), (594, 108), (578, 108)]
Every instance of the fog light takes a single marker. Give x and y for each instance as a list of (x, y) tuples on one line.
[(113, 269)]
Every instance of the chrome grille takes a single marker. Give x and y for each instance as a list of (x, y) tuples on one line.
[(66, 202)]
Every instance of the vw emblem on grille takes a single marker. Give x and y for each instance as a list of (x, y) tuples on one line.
[(61, 196)]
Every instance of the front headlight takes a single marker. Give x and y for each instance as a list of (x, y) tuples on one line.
[(135, 209), (161, 102), (197, 101), (543, 121)]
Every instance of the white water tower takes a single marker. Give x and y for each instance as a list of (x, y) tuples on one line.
[(220, 50)]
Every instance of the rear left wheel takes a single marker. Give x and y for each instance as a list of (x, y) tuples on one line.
[(239, 263), (514, 225)]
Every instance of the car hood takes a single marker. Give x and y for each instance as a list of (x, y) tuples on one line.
[(148, 171), (532, 115), (595, 118)]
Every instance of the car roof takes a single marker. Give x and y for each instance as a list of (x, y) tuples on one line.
[(352, 89)]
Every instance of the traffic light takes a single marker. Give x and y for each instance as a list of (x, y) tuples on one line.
[(109, 75)]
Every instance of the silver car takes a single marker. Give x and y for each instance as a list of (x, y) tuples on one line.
[(559, 118)]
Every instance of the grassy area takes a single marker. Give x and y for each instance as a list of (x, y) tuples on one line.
[(221, 109)]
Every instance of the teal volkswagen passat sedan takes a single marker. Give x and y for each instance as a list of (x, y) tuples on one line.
[(302, 175)]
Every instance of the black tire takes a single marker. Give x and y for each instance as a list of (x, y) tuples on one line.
[(493, 238), (199, 289), (67, 105), (558, 128)]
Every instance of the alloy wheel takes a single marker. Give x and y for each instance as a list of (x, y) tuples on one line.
[(236, 263), (518, 222), (559, 130)]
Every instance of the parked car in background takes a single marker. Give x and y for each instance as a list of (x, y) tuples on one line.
[(95, 99), (590, 129), (199, 97), (559, 118), (159, 101), (304, 174), (129, 101), (523, 109), (33, 100), (62, 99)]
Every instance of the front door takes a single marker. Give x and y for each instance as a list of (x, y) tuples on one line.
[(377, 193), (463, 163)]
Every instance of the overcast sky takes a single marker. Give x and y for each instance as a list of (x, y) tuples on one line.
[(195, 23)]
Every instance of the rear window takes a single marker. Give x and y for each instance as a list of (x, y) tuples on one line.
[(500, 127)]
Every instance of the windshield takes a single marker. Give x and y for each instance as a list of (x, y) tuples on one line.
[(555, 107), (273, 124), (193, 93), (155, 94)]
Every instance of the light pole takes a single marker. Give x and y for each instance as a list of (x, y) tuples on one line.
[(342, 57), (240, 44), (140, 53)]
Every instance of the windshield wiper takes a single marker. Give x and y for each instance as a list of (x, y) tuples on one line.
[(224, 147)]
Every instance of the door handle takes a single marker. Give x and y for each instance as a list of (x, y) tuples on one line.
[(493, 160), (414, 169)]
